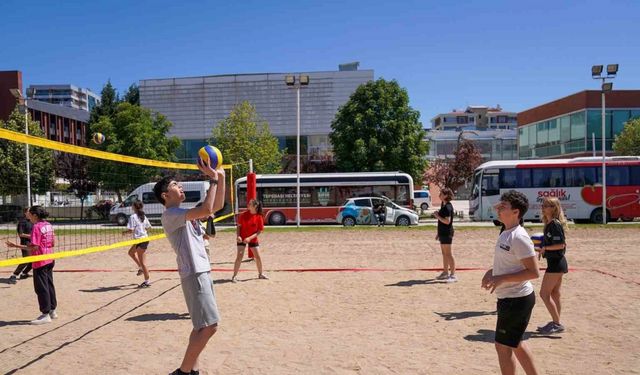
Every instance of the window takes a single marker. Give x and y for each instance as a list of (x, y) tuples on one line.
[(191, 196), (554, 131), (616, 176), (149, 198), (547, 177), (578, 126), (580, 176), (634, 175), (129, 201), (402, 195), (503, 119), (565, 129), (490, 185), (363, 202), (461, 119), (515, 178), (542, 130), (619, 118)]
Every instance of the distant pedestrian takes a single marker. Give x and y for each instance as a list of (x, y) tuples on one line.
[(445, 236)]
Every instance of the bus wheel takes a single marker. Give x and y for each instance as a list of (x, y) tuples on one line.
[(277, 218), (596, 216), (424, 207), (121, 219), (349, 221), (403, 221)]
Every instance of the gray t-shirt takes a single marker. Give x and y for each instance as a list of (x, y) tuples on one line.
[(187, 241), (513, 244)]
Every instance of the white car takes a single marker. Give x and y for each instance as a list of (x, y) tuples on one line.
[(360, 211), (422, 199)]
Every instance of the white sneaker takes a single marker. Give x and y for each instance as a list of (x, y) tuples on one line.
[(53, 314), (452, 279), (442, 276), (42, 319)]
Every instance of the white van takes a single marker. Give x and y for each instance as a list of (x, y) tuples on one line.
[(422, 199), (194, 191)]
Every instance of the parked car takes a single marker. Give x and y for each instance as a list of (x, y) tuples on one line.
[(359, 211), (422, 199)]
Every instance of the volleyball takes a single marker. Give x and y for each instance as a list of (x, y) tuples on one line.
[(98, 138), (211, 156), (536, 238)]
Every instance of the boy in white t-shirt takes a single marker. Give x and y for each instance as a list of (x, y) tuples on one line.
[(514, 264)]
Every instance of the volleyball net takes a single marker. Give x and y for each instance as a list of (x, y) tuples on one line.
[(88, 194)]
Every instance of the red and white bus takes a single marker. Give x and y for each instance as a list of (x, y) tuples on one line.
[(577, 183), (321, 194)]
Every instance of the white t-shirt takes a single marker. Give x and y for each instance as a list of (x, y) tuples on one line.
[(186, 240), (139, 228), (513, 245)]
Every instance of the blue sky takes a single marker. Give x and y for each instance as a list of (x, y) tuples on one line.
[(447, 54)]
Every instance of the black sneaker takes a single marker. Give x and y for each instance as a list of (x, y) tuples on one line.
[(145, 284), (179, 372), (13, 279), (195, 372), (24, 276)]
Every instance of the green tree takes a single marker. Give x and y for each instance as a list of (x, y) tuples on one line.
[(132, 95), (108, 104), (13, 173), (133, 131), (377, 130), (243, 135), (75, 169), (628, 141)]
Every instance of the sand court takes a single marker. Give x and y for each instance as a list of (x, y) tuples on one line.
[(386, 318)]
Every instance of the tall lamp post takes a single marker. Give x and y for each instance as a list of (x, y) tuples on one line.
[(23, 102), (596, 73), (303, 80)]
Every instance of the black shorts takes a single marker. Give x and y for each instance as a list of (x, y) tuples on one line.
[(445, 240), (557, 265), (513, 319), (251, 244), (143, 245)]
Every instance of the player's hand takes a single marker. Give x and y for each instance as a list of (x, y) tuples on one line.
[(437, 237), (10, 244), (485, 279), (206, 169), (240, 239)]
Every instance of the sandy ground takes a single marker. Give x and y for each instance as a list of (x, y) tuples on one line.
[(396, 321)]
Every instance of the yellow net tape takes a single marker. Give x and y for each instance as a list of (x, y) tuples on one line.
[(64, 147)]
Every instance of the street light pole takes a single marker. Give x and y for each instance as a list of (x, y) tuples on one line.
[(596, 71), (22, 100), (303, 80)]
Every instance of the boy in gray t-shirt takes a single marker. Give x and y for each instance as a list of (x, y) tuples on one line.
[(185, 235)]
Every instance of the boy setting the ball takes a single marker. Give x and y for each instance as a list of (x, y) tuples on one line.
[(186, 238)]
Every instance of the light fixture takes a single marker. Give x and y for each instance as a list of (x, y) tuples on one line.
[(304, 79), (290, 80), (607, 87), (612, 69), (596, 70)]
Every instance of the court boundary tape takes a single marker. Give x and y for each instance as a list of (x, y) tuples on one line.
[(305, 270)]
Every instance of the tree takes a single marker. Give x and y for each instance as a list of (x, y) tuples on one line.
[(243, 135), (108, 104), (75, 169), (377, 130), (133, 131), (628, 141), (453, 173), (132, 95), (13, 173)]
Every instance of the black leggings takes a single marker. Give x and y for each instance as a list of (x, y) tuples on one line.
[(23, 268), (43, 285)]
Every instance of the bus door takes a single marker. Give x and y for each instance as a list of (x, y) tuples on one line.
[(490, 194)]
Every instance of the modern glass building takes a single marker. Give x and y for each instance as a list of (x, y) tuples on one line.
[(567, 127), (493, 144), (195, 105), (65, 95)]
